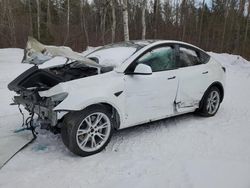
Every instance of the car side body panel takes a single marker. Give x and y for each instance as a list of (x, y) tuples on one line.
[(149, 97), (135, 104), (91, 90)]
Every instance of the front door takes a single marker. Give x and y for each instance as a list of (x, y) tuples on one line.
[(151, 97)]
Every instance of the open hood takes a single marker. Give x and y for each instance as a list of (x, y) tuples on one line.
[(39, 79), (37, 53)]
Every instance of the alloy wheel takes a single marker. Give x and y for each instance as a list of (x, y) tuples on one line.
[(213, 102), (93, 132)]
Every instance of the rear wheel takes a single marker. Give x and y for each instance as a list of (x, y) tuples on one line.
[(210, 102), (88, 132)]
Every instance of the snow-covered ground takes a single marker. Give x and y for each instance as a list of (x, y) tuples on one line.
[(182, 152)]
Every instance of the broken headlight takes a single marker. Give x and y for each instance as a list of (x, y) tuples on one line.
[(58, 97)]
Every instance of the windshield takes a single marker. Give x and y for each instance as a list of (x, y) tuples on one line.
[(112, 55)]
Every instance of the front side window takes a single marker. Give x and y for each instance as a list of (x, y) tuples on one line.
[(159, 59), (188, 57)]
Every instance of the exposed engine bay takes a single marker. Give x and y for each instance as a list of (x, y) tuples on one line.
[(33, 80), (43, 79)]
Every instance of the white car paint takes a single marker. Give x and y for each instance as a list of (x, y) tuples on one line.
[(143, 98), (146, 100), (193, 82)]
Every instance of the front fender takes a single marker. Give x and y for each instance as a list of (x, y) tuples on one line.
[(76, 102)]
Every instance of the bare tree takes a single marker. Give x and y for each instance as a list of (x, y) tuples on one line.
[(239, 21), (176, 4), (144, 6), (48, 16), (30, 18), (103, 14), (38, 18), (3, 25), (225, 24), (83, 22), (113, 27), (11, 23), (183, 18), (68, 16), (124, 4), (176, 16), (156, 4), (247, 24), (201, 21)]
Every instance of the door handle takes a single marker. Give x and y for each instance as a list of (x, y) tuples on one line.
[(205, 72), (173, 77)]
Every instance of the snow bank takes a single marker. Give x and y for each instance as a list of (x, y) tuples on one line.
[(11, 55), (229, 60)]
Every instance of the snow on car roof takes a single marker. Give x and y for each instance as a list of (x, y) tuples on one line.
[(138, 44), (114, 54)]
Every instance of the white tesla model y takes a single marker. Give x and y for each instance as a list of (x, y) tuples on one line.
[(127, 84)]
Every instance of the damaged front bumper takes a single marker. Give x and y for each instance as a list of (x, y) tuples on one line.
[(42, 107)]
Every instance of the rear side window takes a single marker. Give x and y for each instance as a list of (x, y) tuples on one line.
[(204, 57), (159, 59), (188, 57)]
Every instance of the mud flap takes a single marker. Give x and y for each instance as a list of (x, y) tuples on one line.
[(11, 142)]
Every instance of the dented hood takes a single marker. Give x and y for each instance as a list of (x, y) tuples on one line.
[(37, 53)]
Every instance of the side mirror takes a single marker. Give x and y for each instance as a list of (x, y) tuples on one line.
[(142, 69)]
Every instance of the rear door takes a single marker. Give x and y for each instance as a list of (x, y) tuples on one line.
[(193, 76)]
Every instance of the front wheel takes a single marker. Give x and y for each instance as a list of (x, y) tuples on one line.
[(87, 132), (210, 102)]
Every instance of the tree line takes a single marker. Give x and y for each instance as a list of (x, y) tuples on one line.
[(220, 25)]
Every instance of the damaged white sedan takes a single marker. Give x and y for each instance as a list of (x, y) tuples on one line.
[(116, 86)]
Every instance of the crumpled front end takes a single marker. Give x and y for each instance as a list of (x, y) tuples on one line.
[(31, 83), (41, 106)]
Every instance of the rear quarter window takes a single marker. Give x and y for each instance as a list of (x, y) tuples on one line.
[(189, 57), (204, 57)]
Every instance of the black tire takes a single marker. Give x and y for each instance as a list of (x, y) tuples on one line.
[(203, 110), (64, 130), (74, 120)]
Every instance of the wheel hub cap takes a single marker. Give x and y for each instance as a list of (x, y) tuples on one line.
[(93, 132), (213, 102)]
